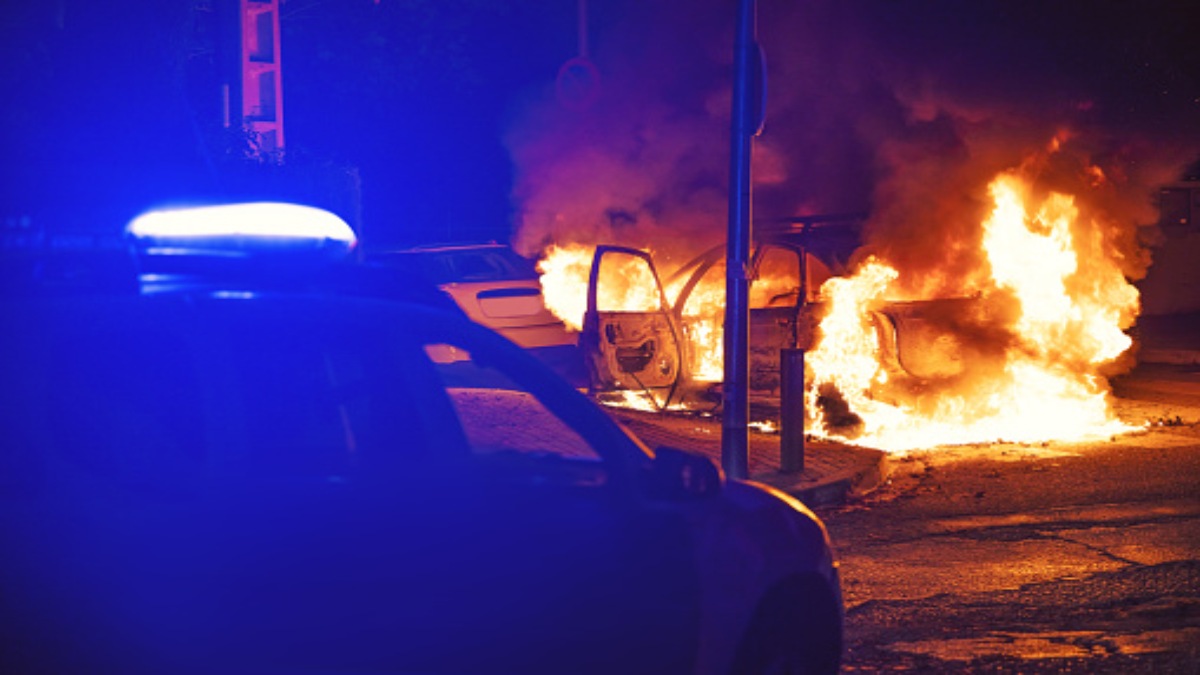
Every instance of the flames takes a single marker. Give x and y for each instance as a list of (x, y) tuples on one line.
[(1068, 312), (846, 361), (1069, 306), (1020, 359), (565, 271), (626, 285)]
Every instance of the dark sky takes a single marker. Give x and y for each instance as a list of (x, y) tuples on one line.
[(117, 105), (447, 108)]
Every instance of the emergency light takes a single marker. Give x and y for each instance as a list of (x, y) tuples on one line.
[(241, 227)]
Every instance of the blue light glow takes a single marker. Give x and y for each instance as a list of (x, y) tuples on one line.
[(256, 220)]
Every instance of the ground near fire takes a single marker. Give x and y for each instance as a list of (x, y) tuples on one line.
[(1054, 557)]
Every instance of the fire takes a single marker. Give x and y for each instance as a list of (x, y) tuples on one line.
[(1068, 324), (847, 356), (1035, 257), (632, 400), (1018, 358), (625, 285), (564, 279), (703, 326)]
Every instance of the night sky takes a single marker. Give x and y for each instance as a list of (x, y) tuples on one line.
[(447, 109)]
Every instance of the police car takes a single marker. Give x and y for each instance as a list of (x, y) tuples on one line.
[(225, 452)]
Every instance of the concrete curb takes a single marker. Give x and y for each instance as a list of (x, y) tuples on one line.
[(833, 472), (836, 489)]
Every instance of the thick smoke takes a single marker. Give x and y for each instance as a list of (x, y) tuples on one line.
[(645, 165), (904, 111)]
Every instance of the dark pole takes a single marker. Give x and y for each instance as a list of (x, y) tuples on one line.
[(791, 410), (735, 434)]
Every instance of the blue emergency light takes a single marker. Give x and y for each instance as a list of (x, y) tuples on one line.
[(231, 246), (241, 227), (220, 247)]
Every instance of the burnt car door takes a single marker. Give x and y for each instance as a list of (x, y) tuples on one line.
[(789, 268), (777, 295), (627, 347), (630, 338), (781, 314)]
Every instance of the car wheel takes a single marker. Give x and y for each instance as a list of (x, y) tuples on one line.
[(774, 652), (795, 631)]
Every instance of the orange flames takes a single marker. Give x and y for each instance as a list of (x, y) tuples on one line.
[(625, 286), (565, 271), (1069, 319), (1050, 303)]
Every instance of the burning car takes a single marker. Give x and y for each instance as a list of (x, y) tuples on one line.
[(1006, 333), (671, 349)]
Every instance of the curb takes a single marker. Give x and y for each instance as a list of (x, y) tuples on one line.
[(836, 489), (861, 470)]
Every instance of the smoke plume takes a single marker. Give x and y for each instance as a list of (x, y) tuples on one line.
[(904, 111)]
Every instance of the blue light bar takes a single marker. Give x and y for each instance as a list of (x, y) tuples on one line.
[(257, 220)]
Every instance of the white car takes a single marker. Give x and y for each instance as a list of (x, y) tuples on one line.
[(498, 288)]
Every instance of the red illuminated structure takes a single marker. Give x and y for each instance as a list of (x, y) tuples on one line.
[(259, 98)]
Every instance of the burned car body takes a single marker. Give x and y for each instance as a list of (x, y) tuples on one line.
[(656, 348)]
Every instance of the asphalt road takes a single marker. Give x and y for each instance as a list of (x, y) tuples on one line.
[(1055, 558)]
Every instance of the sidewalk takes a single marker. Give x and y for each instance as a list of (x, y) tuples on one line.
[(832, 471)]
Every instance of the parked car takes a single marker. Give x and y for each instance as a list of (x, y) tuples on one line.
[(246, 472), (650, 349), (497, 288)]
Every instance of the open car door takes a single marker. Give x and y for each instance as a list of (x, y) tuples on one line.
[(631, 338)]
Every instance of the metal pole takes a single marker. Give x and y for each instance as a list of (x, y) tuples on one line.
[(735, 432), (791, 410), (582, 19)]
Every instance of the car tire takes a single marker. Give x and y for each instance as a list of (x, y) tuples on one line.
[(796, 631)]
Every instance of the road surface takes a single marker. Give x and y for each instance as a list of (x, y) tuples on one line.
[(1054, 558)]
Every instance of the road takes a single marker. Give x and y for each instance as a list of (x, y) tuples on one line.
[(1055, 558)]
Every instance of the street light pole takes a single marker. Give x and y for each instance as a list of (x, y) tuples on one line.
[(735, 432)]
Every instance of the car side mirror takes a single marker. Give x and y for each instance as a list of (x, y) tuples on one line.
[(679, 474)]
